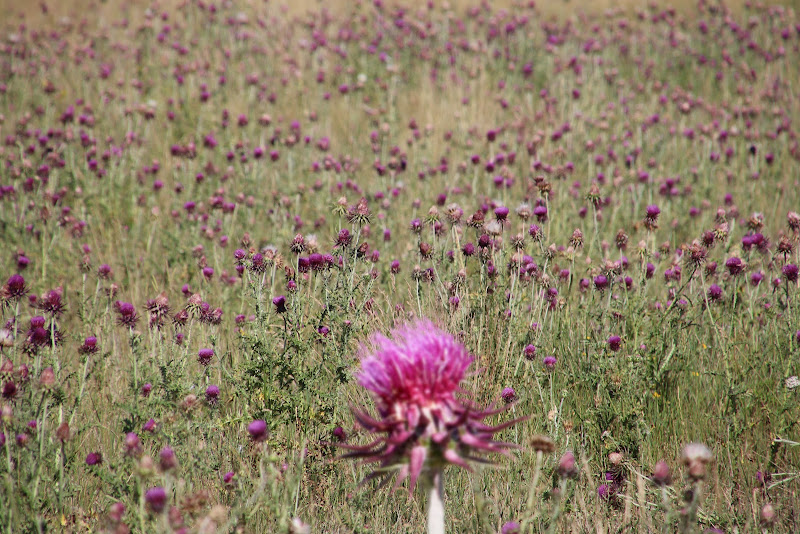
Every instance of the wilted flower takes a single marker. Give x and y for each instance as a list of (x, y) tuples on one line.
[(298, 526), (767, 515), (422, 426), (543, 444), (695, 457), (47, 378), (792, 382)]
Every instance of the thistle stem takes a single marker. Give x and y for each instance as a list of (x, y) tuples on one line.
[(436, 505)]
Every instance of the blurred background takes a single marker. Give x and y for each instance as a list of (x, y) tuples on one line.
[(36, 12)]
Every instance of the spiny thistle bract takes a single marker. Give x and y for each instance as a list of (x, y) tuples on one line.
[(423, 423)]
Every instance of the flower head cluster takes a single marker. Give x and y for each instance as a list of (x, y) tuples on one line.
[(422, 425)]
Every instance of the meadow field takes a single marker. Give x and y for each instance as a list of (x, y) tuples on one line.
[(210, 211)]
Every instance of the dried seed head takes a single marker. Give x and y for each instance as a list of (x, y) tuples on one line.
[(543, 444)]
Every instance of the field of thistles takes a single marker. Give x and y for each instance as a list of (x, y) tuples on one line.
[(341, 270)]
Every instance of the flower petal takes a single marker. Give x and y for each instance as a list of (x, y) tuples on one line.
[(415, 464)]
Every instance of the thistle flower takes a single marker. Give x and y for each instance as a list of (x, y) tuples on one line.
[(167, 459), (204, 356), (661, 474), (156, 499), (567, 466), (280, 304), (790, 271), (695, 456), (258, 430), (89, 346), (212, 394), (127, 314), (422, 425), (508, 395), (14, 289), (735, 266)]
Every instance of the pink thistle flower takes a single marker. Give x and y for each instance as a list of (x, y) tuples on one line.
[(422, 426)]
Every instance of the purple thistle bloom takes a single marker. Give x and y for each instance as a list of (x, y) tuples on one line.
[(614, 343), (212, 394), (156, 499), (343, 239), (790, 271), (280, 303), (714, 293), (735, 266), (167, 460), (652, 212), (127, 314), (15, 288), (94, 458), (422, 426), (258, 430), (529, 351), (339, 434), (501, 213), (133, 445), (204, 356), (89, 346), (600, 282)]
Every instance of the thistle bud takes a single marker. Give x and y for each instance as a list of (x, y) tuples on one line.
[(567, 466), (661, 474)]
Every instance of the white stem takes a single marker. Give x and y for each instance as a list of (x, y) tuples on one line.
[(436, 505)]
